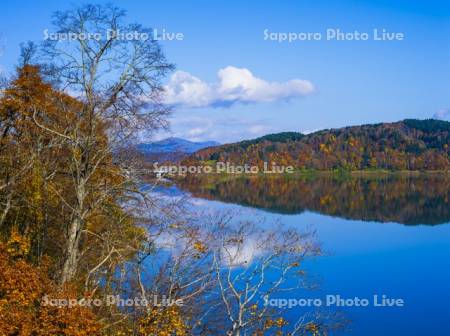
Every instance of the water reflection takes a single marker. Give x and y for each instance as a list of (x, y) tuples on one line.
[(408, 200)]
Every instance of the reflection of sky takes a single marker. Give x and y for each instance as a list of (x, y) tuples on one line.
[(367, 258)]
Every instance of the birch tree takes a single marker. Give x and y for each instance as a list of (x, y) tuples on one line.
[(115, 70)]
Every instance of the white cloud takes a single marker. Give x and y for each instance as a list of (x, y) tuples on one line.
[(242, 254), (198, 131), (183, 88), (258, 129), (309, 131), (234, 85), (442, 114)]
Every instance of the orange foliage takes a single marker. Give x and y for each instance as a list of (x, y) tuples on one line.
[(22, 310)]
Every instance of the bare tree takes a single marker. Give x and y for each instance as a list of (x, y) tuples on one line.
[(115, 70), (252, 265), (226, 271)]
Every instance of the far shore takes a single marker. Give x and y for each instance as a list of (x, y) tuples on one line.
[(317, 173)]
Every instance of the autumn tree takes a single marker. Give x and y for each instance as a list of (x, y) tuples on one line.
[(23, 286), (31, 159)]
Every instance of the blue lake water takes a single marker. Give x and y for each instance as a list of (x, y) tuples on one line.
[(370, 248)]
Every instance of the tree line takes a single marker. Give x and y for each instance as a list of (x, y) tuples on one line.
[(406, 145)]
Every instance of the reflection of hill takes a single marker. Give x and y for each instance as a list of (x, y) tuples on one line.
[(407, 200)]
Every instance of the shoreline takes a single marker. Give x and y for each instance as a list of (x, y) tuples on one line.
[(317, 174)]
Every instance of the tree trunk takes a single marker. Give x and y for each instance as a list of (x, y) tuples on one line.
[(7, 208), (71, 256), (73, 238)]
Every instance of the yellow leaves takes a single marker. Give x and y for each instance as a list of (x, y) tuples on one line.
[(166, 321), (18, 245), (76, 152), (36, 190), (352, 142), (324, 148), (326, 199), (200, 247), (174, 226), (279, 322), (313, 329)]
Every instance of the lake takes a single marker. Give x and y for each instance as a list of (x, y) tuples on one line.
[(381, 235)]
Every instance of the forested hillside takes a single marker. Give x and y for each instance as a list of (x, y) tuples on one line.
[(406, 145)]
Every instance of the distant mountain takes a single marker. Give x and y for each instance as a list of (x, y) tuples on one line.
[(172, 145), (405, 145), (172, 148)]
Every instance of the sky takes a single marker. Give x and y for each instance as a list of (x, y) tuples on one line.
[(236, 78)]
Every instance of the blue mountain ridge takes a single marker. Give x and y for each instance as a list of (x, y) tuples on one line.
[(173, 145)]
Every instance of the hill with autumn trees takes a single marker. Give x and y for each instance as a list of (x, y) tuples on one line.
[(405, 145)]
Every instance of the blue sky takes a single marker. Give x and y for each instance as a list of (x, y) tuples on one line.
[(237, 85)]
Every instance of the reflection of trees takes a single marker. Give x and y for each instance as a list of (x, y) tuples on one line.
[(407, 200)]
